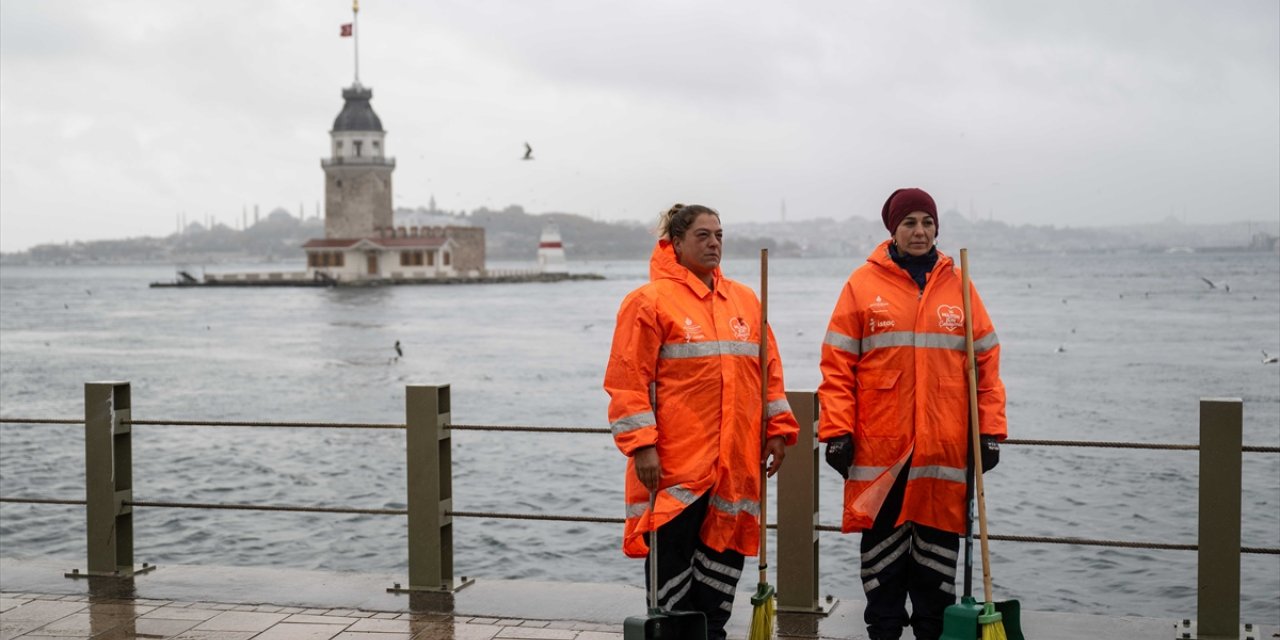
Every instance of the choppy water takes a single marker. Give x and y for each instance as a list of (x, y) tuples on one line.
[(1144, 339)]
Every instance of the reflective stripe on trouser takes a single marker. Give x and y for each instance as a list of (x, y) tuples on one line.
[(691, 575), (908, 561)]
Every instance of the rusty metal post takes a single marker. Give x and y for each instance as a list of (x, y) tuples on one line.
[(430, 490), (108, 477), (798, 513), (1218, 596)]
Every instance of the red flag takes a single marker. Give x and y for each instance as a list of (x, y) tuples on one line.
[(346, 30)]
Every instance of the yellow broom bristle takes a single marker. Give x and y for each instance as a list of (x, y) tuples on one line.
[(994, 631), (762, 621)]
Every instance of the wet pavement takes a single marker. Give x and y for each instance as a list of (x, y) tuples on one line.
[(240, 603)]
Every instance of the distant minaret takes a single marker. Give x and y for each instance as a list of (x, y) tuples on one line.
[(357, 176), (551, 251)]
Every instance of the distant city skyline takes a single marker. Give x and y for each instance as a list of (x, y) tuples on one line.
[(115, 119)]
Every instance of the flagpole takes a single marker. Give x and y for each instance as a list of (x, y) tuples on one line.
[(355, 32)]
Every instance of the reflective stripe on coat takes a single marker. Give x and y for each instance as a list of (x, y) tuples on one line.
[(684, 375), (894, 375)]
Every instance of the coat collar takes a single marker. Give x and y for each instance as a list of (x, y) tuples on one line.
[(880, 256)]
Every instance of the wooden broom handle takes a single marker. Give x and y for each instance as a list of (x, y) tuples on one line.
[(972, 366), (764, 403)]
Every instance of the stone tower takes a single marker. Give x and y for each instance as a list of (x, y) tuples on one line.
[(357, 174)]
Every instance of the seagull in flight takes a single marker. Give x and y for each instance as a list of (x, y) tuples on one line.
[(399, 351), (1266, 359), (528, 152), (1209, 282)]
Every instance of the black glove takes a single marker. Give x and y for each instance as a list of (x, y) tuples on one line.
[(840, 454), (990, 452)]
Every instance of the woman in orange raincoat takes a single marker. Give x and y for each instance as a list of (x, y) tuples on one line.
[(895, 416), (684, 386)]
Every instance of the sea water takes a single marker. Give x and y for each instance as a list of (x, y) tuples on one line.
[(1116, 347)]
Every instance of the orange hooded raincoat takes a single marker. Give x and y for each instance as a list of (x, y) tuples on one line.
[(894, 376), (684, 375)]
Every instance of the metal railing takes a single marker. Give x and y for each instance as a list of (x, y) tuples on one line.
[(428, 427)]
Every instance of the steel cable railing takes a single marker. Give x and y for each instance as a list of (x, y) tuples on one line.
[(1158, 446), (585, 519)]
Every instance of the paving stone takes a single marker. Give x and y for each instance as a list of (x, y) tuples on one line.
[(599, 635), (291, 631), (7, 603), (456, 631), (194, 634), (380, 625), (174, 613), (364, 635), (527, 633), (43, 611), (241, 621), (314, 619), (13, 628)]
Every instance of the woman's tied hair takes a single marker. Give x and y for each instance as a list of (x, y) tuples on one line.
[(677, 220)]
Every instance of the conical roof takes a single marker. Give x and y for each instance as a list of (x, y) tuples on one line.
[(357, 114)]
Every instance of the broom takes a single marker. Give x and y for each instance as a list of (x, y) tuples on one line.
[(762, 610), (989, 620)]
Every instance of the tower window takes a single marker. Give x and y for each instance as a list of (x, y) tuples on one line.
[(358, 144)]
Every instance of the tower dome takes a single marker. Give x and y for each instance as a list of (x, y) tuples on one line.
[(357, 114)]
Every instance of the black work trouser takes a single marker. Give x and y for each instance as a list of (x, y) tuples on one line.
[(911, 560), (693, 576)]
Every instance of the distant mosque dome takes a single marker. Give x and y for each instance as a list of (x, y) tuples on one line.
[(357, 114)]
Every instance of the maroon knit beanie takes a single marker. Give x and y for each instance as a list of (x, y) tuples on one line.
[(904, 202)]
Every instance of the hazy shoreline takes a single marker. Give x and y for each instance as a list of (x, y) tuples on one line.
[(512, 234)]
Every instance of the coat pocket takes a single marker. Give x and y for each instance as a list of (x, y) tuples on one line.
[(953, 386), (878, 403)]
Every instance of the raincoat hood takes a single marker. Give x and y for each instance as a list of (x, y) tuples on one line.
[(664, 265)]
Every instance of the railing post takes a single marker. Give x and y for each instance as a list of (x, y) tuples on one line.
[(108, 478), (430, 490), (1218, 597), (798, 513)]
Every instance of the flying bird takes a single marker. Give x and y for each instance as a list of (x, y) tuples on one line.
[(1209, 282), (399, 351), (528, 152), (1266, 359)]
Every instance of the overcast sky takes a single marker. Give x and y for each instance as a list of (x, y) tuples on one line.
[(117, 116)]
